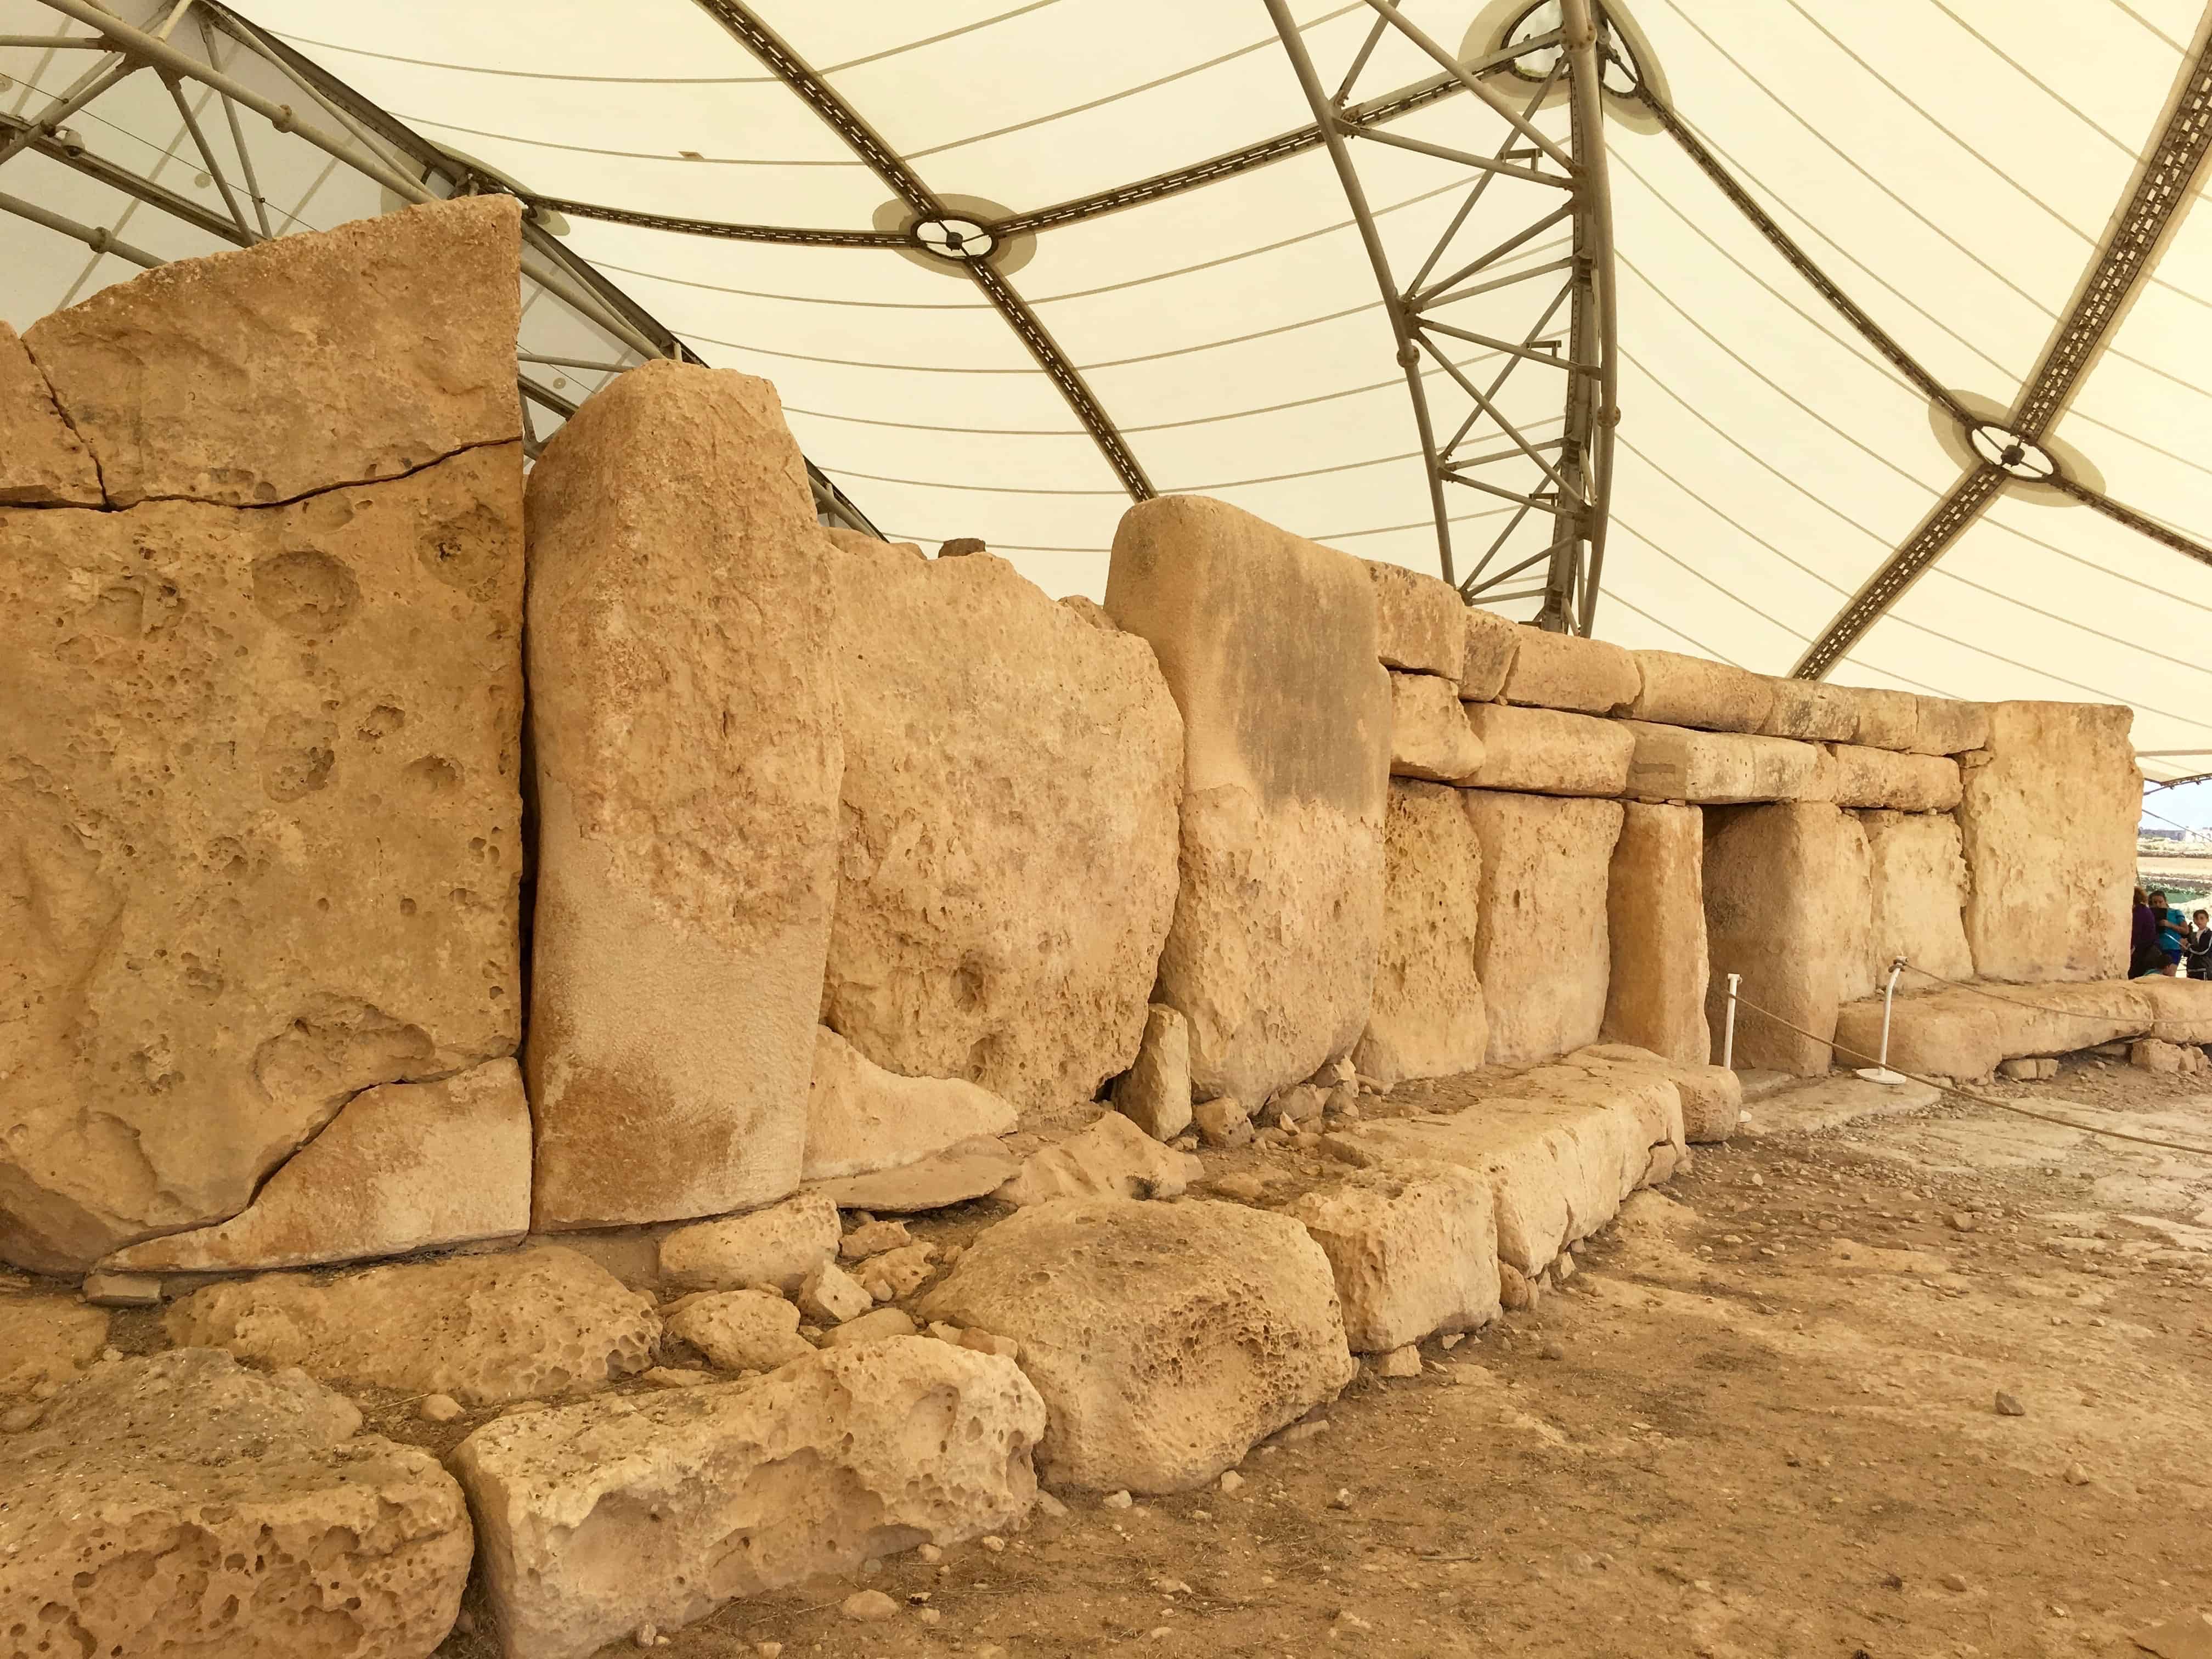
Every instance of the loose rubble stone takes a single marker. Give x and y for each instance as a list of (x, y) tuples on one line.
[(596, 1518), (1904, 783), (1564, 671), (1400, 1362), (879, 1326), (408, 1166), (1493, 642), (1964, 1033), (2149, 1055), (869, 1606), (1112, 1157), (2009, 1404), (1413, 1248), (1430, 736), (1886, 720), (1222, 1122), (43, 463), (181, 1504), (1542, 953), (1427, 1018), (1516, 1293), (123, 1289), (738, 1330), (1165, 1337), (684, 884), (438, 1408), (956, 1175), (861, 1118), (1948, 726), (1540, 751), (1786, 907), (1154, 1094), (1917, 875), (191, 381), (1007, 860), (1269, 644), (44, 1341), (830, 1296), (485, 1329), (1302, 1103), (1655, 932), (1679, 690), (777, 1246), (1811, 709), (872, 1238), (1421, 621), (897, 1273), (1711, 769)]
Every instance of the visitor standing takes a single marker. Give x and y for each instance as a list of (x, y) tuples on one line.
[(2172, 931), (2142, 948), (2198, 945)]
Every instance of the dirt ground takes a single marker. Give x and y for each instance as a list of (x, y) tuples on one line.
[(1761, 1419)]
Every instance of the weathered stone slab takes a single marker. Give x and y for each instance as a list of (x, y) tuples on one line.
[(405, 1166), (1421, 621), (1963, 1033), (860, 1118), (1829, 1103), (46, 1341), (1713, 769), (1564, 671), (1492, 644), (42, 462), (1656, 930), (1917, 876), (598, 1519), (1542, 953), (299, 363), (1165, 1337), (485, 1329), (1430, 736), (1715, 696), (1413, 1248), (212, 953), (971, 1169), (2048, 813), (2184, 1007), (1812, 710), (179, 1503), (1712, 1097), (1541, 752), (1269, 644), (678, 589), (1428, 1017), (1886, 720), (1007, 860), (1868, 777), (1154, 1094), (778, 1246), (1787, 908), (1948, 726), (1111, 1159)]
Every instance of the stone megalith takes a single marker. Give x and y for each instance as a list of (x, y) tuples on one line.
[(1542, 951), (1427, 1018), (1656, 921), (1269, 646), (684, 718), (1007, 859), (1918, 871)]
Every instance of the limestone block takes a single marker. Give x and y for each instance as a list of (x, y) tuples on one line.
[(296, 364), (684, 718), (485, 1329), (830, 1296), (1493, 642), (1564, 671), (207, 710), (1006, 864), (1787, 907), (1155, 1092), (1715, 696), (1269, 644), (2183, 1006), (1428, 1017), (1948, 726), (1711, 1095), (2048, 815), (1903, 783), (1222, 1122), (1430, 736), (1087, 609), (1963, 1033), (43, 463), (1542, 951), (1112, 1157), (1918, 878), (1541, 752), (46, 1341), (861, 1118), (1813, 710), (597, 1519), (1715, 768), (1413, 1248), (2149, 1055), (778, 1246), (1421, 621), (738, 1330), (1886, 720), (179, 1503), (956, 1175), (1165, 1337), (882, 1325), (406, 1166), (1655, 932), (896, 1274)]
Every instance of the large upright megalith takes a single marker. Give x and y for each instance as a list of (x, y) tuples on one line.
[(683, 715), (1269, 644), (1787, 908)]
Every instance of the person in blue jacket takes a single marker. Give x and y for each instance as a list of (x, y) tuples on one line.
[(2173, 930)]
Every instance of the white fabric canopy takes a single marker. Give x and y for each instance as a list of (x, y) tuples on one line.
[(1952, 165)]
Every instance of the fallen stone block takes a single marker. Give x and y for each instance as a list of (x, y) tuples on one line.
[(485, 1329), (181, 1503), (1413, 1248), (46, 1341), (1166, 1338), (778, 1246), (1493, 642), (1007, 854), (1542, 953), (1812, 710), (1564, 671), (1154, 1094), (738, 1330), (1715, 696), (1541, 752), (1885, 720), (1112, 1157), (1711, 1095), (1715, 768), (1948, 726), (1787, 905), (1964, 1033), (971, 1169), (404, 1167), (1917, 873), (594, 1520), (1430, 736), (1655, 932), (1421, 621), (861, 1118), (1427, 1018), (1903, 783), (43, 463)]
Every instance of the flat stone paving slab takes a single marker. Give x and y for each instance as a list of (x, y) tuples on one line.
[(1826, 1102)]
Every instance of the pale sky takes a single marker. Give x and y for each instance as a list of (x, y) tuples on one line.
[(2188, 804)]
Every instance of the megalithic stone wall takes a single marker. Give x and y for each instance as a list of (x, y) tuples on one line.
[(1269, 644), (684, 718)]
